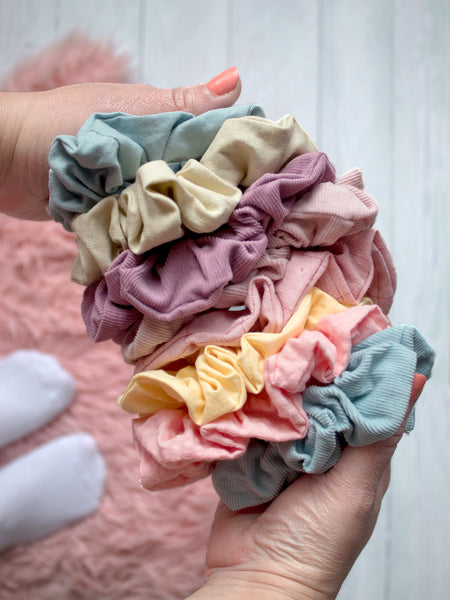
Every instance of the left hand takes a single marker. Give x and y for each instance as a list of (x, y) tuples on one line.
[(29, 122)]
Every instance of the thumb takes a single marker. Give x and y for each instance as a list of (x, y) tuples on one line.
[(220, 92)]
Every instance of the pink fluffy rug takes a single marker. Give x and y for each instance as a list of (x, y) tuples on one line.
[(138, 544), (75, 59)]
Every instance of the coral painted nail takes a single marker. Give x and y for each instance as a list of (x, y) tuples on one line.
[(417, 386), (224, 83)]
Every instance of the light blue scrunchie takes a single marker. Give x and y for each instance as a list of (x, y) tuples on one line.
[(104, 156), (365, 404)]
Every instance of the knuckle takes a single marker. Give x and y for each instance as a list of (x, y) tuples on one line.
[(181, 98)]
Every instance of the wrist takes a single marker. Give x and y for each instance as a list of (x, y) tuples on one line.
[(23, 162), (10, 128), (241, 585), (13, 108)]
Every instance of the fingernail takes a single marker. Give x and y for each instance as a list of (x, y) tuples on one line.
[(223, 83), (417, 386)]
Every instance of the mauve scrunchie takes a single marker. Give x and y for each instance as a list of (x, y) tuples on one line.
[(156, 284), (359, 266)]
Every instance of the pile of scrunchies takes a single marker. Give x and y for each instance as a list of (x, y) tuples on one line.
[(248, 286)]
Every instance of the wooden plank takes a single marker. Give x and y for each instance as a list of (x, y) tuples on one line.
[(18, 40), (103, 20), (275, 46), (420, 245), (183, 46), (355, 97), (355, 130)]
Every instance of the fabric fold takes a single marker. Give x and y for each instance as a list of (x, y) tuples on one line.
[(366, 403), (154, 284), (248, 286), (246, 149), (173, 449), (105, 155), (353, 268), (221, 377), (154, 210)]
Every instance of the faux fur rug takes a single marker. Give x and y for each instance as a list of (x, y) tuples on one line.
[(75, 59), (138, 544)]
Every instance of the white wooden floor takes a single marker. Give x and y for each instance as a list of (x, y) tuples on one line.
[(370, 81)]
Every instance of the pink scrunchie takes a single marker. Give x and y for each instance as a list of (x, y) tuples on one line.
[(173, 450)]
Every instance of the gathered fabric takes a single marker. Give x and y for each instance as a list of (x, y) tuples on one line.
[(108, 150), (154, 210), (153, 283), (327, 213), (246, 149), (171, 445), (248, 286), (111, 314), (221, 377), (365, 404), (219, 380), (355, 267), (204, 192)]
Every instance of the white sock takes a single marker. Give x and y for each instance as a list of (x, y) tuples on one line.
[(49, 488), (34, 388)]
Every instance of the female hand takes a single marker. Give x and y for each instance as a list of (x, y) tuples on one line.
[(305, 542), (29, 121)]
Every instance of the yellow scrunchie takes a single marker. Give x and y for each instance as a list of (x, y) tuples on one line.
[(222, 376)]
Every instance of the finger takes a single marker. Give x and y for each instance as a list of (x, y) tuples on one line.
[(73, 104), (368, 467), (384, 482), (417, 386), (222, 91)]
